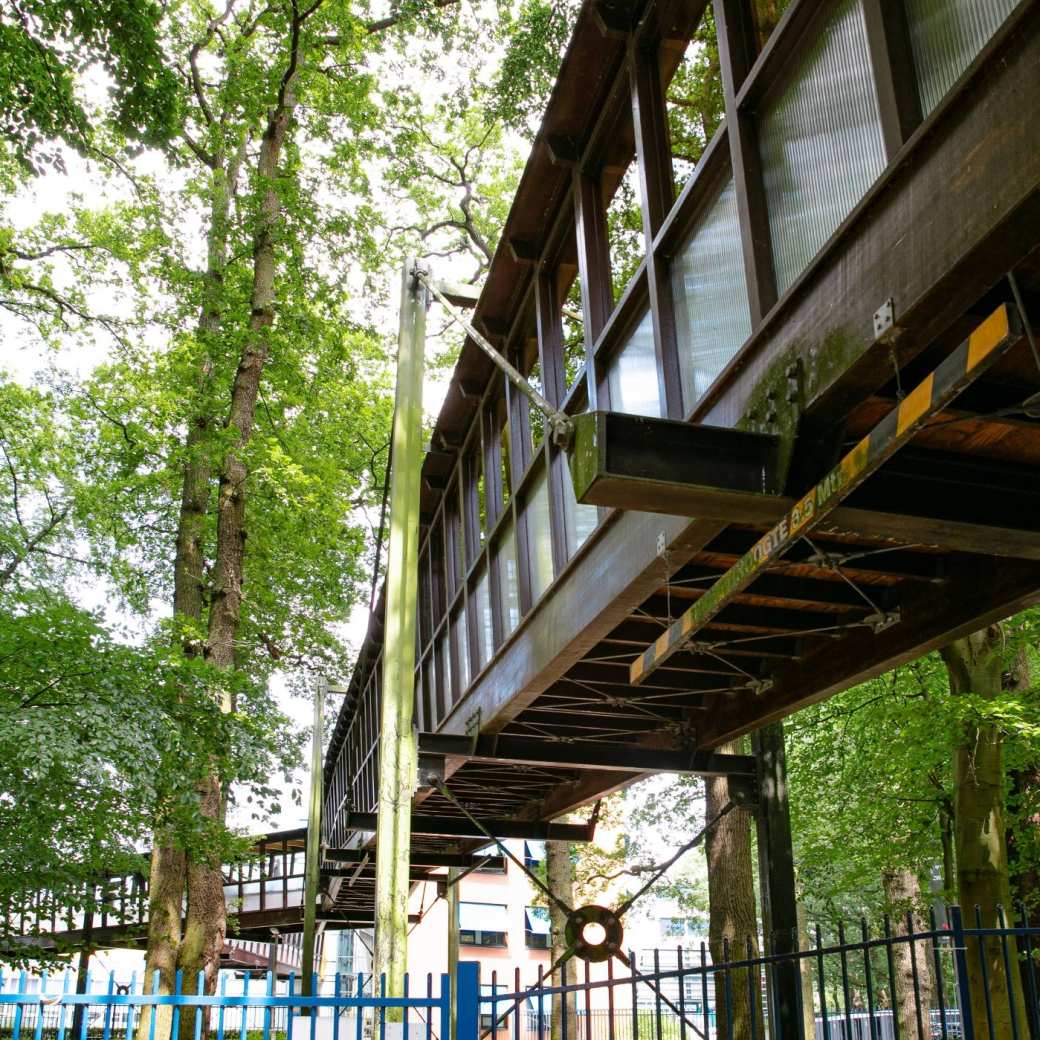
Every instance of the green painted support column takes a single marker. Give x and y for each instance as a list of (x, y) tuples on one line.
[(397, 743), (453, 945), (312, 879)]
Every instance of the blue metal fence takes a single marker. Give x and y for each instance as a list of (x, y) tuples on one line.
[(50, 1008)]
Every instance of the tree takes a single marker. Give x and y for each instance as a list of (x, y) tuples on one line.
[(559, 876), (976, 667), (93, 729), (48, 46), (733, 928)]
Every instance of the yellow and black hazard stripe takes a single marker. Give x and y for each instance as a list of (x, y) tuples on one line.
[(989, 340)]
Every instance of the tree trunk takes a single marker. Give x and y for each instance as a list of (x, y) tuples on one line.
[(975, 666), (168, 870), (731, 897), (910, 1005), (559, 875), (767, 14), (206, 921)]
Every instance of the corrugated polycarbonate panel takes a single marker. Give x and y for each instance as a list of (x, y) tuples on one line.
[(945, 36), (632, 376), (821, 142), (508, 578), (710, 293), (480, 601), (461, 639), (581, 519), (539, 536)]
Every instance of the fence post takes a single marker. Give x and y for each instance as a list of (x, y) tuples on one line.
[(960, 955), (467, 1000)]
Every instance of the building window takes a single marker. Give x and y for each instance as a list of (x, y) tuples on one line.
[(534, 854), (483, 924), (536, 928), (677, 927)]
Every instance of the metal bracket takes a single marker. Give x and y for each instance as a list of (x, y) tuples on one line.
[(759, 686), (743, 791), (885, 318), (882, 622), (473, 730)]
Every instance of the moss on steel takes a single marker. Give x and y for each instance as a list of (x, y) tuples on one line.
[(585, 452)]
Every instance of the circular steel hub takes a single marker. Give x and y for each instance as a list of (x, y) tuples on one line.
[(594, 933)]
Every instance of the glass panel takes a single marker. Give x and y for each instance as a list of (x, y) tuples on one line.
[(508, 578), (632, 375), (537, 919), (573, 334), (694, 100), (821, 142), (945, 36), (445, 657), (581, 519), (504, 448), (461, 641), (480, 603), (710, 292), (625, 230), (535, 418), (539, 536)]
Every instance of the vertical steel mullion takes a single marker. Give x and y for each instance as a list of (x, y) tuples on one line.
[(895, 81), (549, 328), (597, 298), (737, 52), (657, 190)]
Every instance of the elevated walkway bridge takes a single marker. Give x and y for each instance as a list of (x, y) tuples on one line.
[(870, 201)]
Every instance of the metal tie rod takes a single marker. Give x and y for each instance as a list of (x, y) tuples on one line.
[(560, 425)]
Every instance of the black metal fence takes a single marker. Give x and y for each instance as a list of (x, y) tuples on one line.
[(955, 979)]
